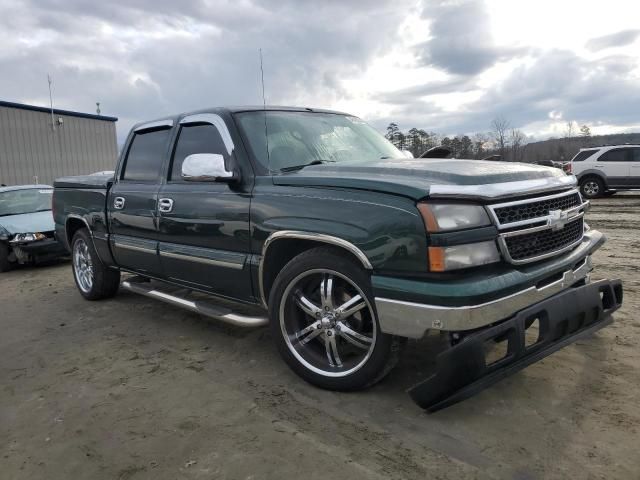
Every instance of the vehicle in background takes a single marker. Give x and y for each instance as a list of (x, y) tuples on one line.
[(313, 223), (604, 170), (26, 226)]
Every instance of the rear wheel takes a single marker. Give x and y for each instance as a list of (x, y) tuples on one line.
[(592, 187), (93, 279), (5, 264), (325, 324)]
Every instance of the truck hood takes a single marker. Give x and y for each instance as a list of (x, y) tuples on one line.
[(418, 178), (27, 223)]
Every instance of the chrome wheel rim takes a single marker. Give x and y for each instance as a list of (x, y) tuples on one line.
[(327, 323), (82, 265), (591, 188)]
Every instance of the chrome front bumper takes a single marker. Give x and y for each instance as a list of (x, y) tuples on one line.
[(412, 320)]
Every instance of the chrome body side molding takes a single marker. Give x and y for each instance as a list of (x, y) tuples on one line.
[(494, 191), (316, 237), (204, 256)]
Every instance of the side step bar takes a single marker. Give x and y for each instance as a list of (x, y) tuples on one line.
[(199, 306)]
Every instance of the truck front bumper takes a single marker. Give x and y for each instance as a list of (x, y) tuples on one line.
[(463, 370), (413, 319)]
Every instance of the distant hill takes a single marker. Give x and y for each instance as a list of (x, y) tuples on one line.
[(560, 149)]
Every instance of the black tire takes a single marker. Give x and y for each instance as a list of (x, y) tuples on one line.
[(315, 361), (592, 187), (5, 264), (96, 281)]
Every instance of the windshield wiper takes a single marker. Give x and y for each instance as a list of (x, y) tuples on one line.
[(300, 167)]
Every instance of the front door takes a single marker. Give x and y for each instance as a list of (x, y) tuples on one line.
[(133, 202), (204, 226)]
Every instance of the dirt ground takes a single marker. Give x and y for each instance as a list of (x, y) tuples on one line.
[(130, 388)]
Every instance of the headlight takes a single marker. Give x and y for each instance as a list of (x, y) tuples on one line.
[(28, 237), (442, 259), (445, 217), (450, 217)]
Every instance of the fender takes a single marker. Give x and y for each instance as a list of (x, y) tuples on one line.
[(593, 172), (101, 245), (316, 237)]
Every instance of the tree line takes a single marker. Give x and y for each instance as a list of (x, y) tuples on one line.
[(505, 141)]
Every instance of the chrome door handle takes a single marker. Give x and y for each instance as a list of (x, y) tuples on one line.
[(165, 205), (118, 203)]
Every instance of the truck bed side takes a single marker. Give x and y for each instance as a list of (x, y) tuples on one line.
[(81, 202)]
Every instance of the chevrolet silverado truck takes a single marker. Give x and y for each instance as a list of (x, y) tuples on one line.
[(311, 222)]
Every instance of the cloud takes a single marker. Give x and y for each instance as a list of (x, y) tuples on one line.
[(461, 41), (586, 91), (618, 39), (147, 58)]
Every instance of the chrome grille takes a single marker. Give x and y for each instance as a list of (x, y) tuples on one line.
[(538, 228), (535, 209), (531, 245)]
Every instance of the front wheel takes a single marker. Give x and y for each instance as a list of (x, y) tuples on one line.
[(93, 279), (325, 324), (591, 187)]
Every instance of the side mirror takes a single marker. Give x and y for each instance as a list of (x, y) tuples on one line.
[(206, 167)]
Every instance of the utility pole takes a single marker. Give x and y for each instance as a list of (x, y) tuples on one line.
[(53, 123), (98, 108)]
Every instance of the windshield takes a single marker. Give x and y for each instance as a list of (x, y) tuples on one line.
[(296, 139), (16, 202)]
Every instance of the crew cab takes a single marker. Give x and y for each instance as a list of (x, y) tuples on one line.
[(604, 170), (311, 222)]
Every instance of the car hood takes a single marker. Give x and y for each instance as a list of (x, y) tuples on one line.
[(28, 223), (418, 178)]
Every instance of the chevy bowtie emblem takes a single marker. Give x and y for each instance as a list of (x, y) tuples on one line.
[(557, 219)]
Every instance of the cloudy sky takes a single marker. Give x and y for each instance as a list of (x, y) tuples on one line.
[(447, 66)]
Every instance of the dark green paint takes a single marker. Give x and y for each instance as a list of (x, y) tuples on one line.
[(371, 206)]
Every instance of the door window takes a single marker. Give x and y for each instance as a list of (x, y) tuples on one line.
[(146, 155), (198, 138), (615, 155), (636, 154)]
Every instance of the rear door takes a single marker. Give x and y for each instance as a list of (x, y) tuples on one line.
[(204, 226), (616, 166), (133, 200)]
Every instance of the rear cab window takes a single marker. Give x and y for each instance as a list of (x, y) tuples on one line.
[(146, 155)]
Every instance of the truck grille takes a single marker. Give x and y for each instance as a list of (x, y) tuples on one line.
[(538, 228), (536, 244), (535, 209)]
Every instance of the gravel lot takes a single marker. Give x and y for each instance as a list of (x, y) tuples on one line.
[(130, 389)]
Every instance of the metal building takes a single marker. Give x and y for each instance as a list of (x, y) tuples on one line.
[(38, 145)]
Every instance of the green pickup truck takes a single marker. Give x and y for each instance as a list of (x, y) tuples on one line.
[(311, 222)]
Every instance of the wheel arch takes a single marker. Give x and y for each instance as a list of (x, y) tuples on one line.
[(592, 173), (72, 225), (282, 246)]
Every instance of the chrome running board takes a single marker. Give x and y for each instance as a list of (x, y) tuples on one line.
[(202, 307)]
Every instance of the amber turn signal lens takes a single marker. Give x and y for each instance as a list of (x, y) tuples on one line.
[(428, 217), (436, 259)]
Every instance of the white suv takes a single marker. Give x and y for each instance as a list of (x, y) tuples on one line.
[(604, 170)]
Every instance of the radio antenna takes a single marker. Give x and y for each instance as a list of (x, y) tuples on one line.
[(264, 109)]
